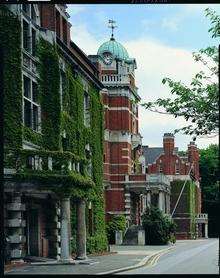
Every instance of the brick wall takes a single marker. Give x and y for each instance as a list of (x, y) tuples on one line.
[(114, 200), (119, 120), (48, 16), (170, 162)]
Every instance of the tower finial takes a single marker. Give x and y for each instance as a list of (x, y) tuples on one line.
[(112, 25)]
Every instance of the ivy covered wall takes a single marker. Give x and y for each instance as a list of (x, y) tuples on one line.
[(56, 121), (49, 88), (10, 44), (77, 137), (187, 204)]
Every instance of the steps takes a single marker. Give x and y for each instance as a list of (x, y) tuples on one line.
[(131, 235)]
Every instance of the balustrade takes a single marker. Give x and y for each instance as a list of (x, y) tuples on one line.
[(51, 161), (115, 78)]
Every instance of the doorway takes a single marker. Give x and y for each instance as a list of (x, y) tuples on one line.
[(33, 232)]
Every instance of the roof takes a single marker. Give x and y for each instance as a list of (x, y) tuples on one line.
[(114, 47), (81, 62), (151, 154)]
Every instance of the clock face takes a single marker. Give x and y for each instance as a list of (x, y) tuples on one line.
[(107, 58)]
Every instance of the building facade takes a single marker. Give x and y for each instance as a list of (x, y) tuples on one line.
[(180, 168), (127, 186), (53, 187)]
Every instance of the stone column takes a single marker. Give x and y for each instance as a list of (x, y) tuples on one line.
[(141, 237), (118, 237), (144, 203), (206, 230), (81, 231), (148, 199), (128, 206), (160, 201), (197, 230), (65, 230), (168, 203)]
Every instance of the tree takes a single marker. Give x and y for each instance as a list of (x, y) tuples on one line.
[(210, 186), (198, 102), (159, 228)]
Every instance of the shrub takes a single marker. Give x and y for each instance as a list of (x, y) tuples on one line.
[(117, 223), (159, 228)]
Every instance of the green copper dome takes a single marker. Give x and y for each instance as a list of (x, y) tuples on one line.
[(115, 48)]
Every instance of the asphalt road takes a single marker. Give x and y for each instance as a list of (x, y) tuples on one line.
[(187, 257)]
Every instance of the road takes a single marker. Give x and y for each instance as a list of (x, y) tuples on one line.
[(187, 257)]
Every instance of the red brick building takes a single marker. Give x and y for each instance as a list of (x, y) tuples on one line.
[(126, 183), (180, 169)]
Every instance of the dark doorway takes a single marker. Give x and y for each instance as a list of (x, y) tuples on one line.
[(34, 233)]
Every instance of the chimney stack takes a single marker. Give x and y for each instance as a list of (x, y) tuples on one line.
[(168, 143)]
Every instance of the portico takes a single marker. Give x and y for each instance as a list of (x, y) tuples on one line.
[(145, 191)]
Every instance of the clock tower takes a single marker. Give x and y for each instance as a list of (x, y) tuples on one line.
[(122, 141)]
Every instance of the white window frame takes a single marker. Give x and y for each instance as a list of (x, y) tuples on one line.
[(33, 103)]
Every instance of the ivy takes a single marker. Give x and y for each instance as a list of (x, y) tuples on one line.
[(49, 88), (189, 199), (74, 184), (78, 135), (10, 43), (54, 124), (32, 136)]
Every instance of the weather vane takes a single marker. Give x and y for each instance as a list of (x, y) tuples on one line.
[(112, 25)]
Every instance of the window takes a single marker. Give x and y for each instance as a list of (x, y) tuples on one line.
[(27, 113), (31, 108), (64, 144), (26, 36), (26, 8), (86, 109), (177, 169), (62, 92), (33, 42), (160, 168), (35, 91), (27, 87), (64, 31), (58, 23), (33, 13), (35, 117)]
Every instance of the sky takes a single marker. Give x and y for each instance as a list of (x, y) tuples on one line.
[(161, 38)]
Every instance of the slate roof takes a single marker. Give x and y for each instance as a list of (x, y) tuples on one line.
[(151, 154)]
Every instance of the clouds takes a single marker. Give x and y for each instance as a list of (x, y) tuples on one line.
[(155, 60), (81, 36), (75, 9), (170, 24)]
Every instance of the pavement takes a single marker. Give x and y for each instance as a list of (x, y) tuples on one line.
[(188, 257), (126, 258)]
